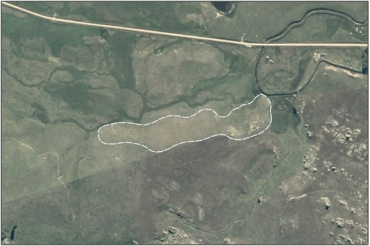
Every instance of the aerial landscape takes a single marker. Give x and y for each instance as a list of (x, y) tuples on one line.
[(184, 123)]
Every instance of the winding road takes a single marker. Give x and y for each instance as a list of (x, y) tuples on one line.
[(179, 35)]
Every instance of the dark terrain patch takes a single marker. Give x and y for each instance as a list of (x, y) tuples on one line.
[(76, 94), (171, 180), (104, 33), (365, 58), (224, 7), (12, 233), (40, 113), (294, 110), (284, 114), (82, 97)]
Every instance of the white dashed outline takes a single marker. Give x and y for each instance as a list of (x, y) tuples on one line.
[(187, 117)]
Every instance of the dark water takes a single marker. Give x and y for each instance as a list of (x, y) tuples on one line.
[(364, 61), (104, 33), (223, 6), (12, 233), (40, 113), (294, 110), (364, 68)]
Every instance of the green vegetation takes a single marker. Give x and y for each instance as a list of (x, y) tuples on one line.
[(62, 82), (285, 115)]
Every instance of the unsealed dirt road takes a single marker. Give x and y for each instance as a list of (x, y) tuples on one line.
[(179, 35)]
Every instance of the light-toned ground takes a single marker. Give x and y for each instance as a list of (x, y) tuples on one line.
[(170, 131)]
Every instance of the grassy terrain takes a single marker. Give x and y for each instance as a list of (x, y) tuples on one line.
[(201, 18), (288, 70), (61, 83), (242, 123)]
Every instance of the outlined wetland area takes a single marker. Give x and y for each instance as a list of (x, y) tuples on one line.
[(288, 80), (199, 128)]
